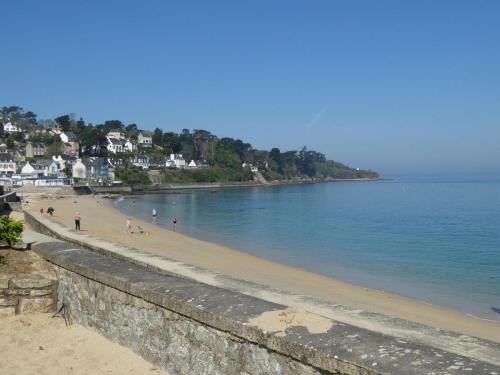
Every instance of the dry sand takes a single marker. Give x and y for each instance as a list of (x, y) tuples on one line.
[(279, 320), (42, 345), (100, 219)]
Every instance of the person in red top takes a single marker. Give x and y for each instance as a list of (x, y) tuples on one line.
[(174, 223)]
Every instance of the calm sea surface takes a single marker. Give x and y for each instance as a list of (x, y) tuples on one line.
[(435, 241)]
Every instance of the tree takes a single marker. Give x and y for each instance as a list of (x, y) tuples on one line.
[(275, 154), (132, 131), (157, 136), (132, 175), (10, 230), (64, 122), (171, 142), (112, 125), (11, 141)]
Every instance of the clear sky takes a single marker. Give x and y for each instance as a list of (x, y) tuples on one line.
[(393, 86)]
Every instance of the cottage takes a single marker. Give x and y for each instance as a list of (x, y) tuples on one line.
[(129, 146), (97, 169), (34, 150), (28, 169), (252, 167), (3, 148), (142, 161), (9, 127), (175, 161), (145, 139), (64, 137), (114, 145), (7, 165), (79, 170), (116, 134)]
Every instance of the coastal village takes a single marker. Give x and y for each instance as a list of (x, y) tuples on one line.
[(65, 152), (26, 157)]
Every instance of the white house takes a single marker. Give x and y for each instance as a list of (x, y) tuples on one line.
[(64, 137), (175, 161), (7, 167), (114, 145), (79, 169), (192, 165), (141, 161), (129, 146), (116, 134), (145, 139), (28, 169), (10, 128), (252, 167), (3, 148)]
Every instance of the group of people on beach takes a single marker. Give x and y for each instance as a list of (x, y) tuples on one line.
[(50, 211), (128, 224), (130, 230)]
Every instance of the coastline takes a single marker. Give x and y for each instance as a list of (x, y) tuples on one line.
[(174, 187), (240, 265)]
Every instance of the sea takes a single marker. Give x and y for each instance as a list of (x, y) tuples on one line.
[(435, 240)]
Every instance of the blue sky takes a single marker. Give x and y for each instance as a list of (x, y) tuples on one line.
[(388, 85)]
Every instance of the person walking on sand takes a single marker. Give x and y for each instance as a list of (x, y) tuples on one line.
[(174, 223), (129, 226), (77, 221)]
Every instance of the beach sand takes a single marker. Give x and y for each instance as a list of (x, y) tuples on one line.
[(100, 219), (42, 345)]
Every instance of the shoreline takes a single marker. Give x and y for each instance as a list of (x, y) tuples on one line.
[(244, 266), (175, 187)]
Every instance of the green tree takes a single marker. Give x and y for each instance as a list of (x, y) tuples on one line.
[(171, 142), (132, 175), (157, 137), (10, 230), (64, 122), (11, 141)]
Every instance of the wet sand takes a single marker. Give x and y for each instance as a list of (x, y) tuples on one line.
[(100, 219)]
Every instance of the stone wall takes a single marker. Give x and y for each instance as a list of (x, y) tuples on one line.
[(27, 293), (187, 327), (169, 340)]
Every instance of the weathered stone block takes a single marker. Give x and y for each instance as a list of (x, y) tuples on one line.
[(5, 312), (4, 282), (15, 292), (8, 301), (30, 305), (40, 292), (30, 282)]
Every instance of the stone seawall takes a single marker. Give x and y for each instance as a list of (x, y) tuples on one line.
[(187, 327)]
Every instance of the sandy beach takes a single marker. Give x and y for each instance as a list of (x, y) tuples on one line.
[(40, 344), (100, 219)]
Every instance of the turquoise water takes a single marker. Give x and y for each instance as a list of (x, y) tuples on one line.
[(435, 241)]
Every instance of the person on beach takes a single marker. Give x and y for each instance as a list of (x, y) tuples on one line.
[(129, 226), (154, 213), (174, 223), (50, 211), (41, 210), (77, 221)]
